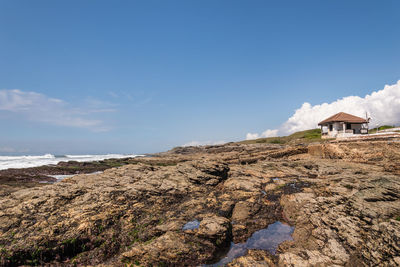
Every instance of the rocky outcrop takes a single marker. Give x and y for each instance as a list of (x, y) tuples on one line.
[(351, 220), (342, 199), (14, 179)]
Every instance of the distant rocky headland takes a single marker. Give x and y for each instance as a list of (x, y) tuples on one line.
[(240, 204)]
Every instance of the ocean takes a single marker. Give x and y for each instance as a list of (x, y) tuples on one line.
[(7, 162)]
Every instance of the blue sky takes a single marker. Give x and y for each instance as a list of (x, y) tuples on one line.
[(145, 76)]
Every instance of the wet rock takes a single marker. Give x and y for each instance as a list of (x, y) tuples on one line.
[(171, 226), (241, 211), (342, 198), (206, 172), (257, 258), (226, 209), (214, 228), (163, 249), (307, 258)]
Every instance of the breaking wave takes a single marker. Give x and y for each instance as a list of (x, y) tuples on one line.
[(7, 162)]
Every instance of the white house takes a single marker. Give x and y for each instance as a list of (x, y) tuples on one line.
[(343, 125)]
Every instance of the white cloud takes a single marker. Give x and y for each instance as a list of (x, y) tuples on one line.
[(267, 133), (41, 108), (204, 143), (250, 136), (383, 107)]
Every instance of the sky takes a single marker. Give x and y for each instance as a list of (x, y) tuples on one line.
[(94, 77)]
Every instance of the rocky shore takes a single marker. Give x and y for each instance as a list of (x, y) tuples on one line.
[(15, 179), (340, 203)]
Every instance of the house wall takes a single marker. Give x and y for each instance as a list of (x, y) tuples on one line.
[(341, 135), (337, 130), (336, 127), (356, 128)]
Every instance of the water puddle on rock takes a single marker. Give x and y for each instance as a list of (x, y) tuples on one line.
[(61, 176), (265, 239), (191, 225)]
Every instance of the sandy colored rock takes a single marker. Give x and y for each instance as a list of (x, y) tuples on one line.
[(241, 211), (214, 227), (256, 258), (342, 199)]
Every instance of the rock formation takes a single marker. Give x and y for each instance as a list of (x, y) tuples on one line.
[(343, 200)]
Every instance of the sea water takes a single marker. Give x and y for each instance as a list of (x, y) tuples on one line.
[(266, 239), (7, 162), (191, 225)]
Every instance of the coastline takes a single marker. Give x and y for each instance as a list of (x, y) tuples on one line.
[(238, 204), (13, 179)]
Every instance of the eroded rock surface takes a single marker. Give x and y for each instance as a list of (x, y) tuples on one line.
[(342, 198)]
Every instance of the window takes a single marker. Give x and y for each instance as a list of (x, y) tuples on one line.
[(330, 127), (348, 126)]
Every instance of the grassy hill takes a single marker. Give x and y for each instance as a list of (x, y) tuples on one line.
[(298, 137), (308, 136), (380, 128)]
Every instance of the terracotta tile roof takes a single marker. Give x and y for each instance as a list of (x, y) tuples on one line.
[(343, 117)]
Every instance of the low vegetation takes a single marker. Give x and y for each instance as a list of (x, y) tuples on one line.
[(298, 137), (380, 128)]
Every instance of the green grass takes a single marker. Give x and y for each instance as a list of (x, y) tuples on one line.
[(380, 128), (298, 137)]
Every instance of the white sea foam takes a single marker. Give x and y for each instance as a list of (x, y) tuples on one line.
[(7, 162)]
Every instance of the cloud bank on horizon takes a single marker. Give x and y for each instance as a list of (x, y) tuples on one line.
[(41, 108), (383, 107)]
